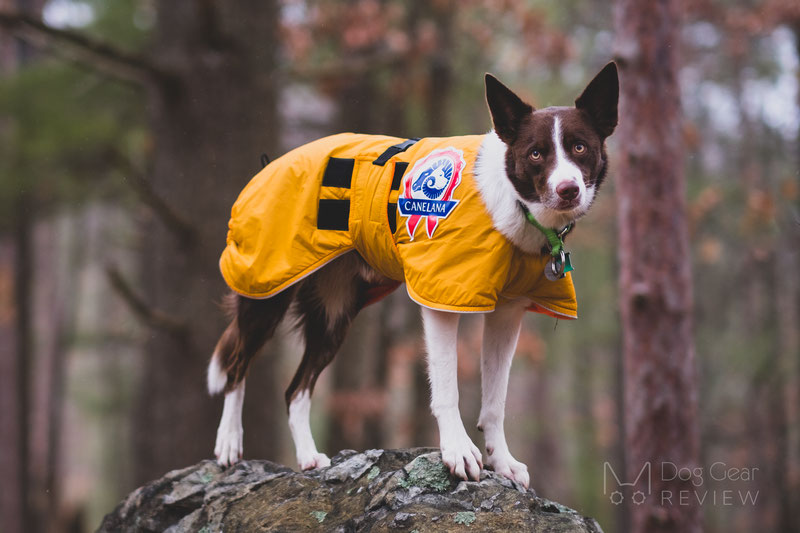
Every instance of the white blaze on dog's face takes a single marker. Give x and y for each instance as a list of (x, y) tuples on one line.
[(556, 156)]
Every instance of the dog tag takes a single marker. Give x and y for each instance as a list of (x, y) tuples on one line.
[(567, 264), (554, 269)]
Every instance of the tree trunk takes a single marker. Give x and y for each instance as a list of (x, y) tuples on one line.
[(440, 71), (13, 394), (548, 458), (207, 143), (623, 513), (655, 269), (16, 263), (795, 397), (15, 325)]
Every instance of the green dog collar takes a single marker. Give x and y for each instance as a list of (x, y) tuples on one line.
[(559, 264)]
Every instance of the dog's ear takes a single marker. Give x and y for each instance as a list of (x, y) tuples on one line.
[(506, 108), (599, 99)]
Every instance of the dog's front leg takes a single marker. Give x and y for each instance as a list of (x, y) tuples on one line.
[(500, 334), (458, 451)]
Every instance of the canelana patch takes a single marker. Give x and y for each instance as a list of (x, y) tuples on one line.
[(427, 189)]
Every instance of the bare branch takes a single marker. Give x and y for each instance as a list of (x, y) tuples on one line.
[(171, 218), (174, 221), (82, 49), (145, 312)]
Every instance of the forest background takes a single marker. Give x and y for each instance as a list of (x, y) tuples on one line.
[(116, 185)]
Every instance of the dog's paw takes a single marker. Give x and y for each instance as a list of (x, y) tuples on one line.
[(228, 449), (463, 458), (507, 466), (314, 460)]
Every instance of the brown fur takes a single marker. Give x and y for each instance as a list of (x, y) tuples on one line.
[(325, 304), (254, 323), (529, 176), (524, 130)]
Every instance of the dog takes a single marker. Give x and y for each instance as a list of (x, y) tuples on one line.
[(469, 224)]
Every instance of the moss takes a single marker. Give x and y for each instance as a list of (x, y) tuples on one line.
[(554, 507), (465, 518), (373, 473), (319, 515), (428, 475)]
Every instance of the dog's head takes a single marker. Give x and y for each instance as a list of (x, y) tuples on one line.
[(556, 156)]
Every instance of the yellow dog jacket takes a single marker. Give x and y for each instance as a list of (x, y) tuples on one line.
[(416, 217)]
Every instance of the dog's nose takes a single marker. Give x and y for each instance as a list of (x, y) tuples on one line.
[(568, 190)]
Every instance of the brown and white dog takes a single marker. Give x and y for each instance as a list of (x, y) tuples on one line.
[(552, 161)]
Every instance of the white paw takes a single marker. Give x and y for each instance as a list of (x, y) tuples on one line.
[(507, 466), (462, 457), (228, 449), (313, 460)]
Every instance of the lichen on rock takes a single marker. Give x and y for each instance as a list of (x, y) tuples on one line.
[(377, 490), (464, 517), (373, 473), (428, 473)]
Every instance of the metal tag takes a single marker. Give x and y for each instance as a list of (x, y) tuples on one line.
[(554, 269)]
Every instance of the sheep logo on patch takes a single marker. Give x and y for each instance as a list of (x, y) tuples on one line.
[(427, 189), (434, 179)]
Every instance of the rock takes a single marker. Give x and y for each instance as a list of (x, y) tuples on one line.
[(378, 490)]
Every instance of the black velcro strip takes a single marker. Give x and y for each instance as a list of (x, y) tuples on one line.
[(338, 173), (392, 212), (394, 150), (333, 214), (399, 169)]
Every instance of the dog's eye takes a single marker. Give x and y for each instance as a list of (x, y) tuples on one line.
[(536, 155), (579, 148)]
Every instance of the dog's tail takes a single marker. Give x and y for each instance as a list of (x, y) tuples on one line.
[(217, 377), (226, 350), (252, 323)]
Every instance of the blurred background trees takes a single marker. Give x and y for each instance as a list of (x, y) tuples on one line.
[(655, 282), (127, 129)]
